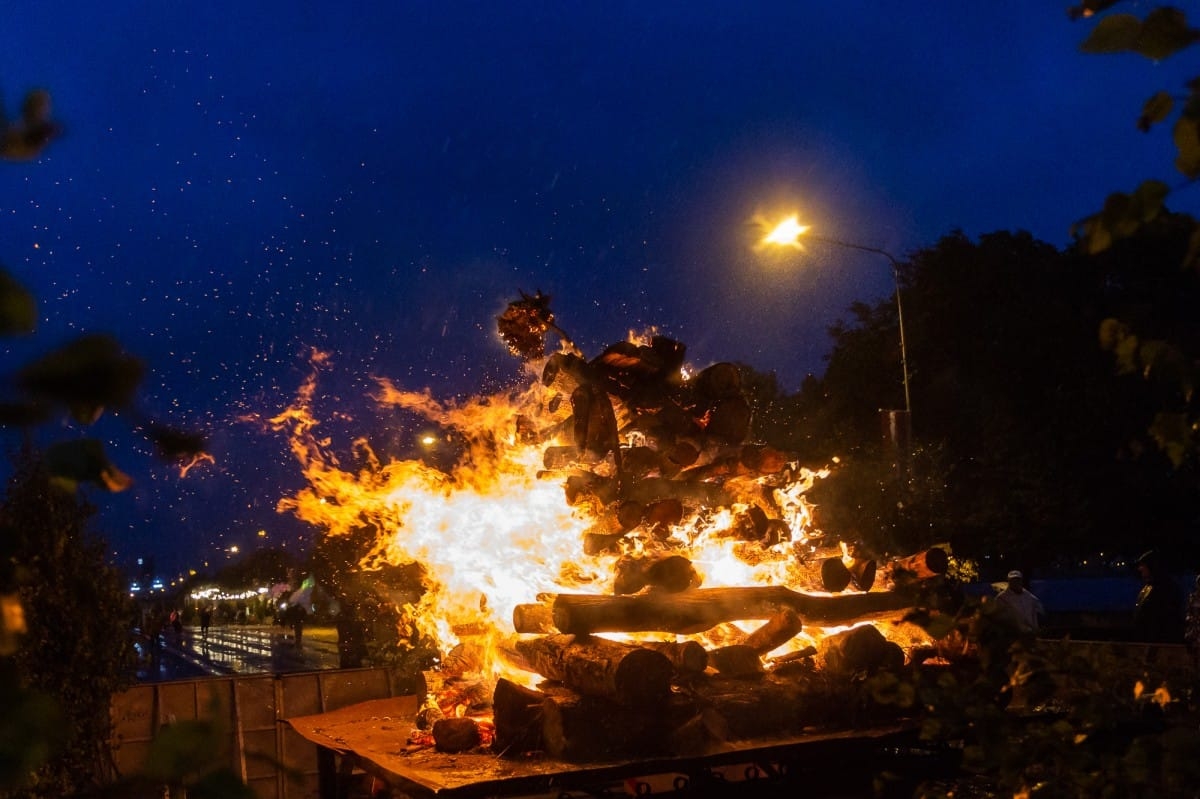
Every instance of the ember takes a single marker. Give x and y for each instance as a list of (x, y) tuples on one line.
[(610, 529)]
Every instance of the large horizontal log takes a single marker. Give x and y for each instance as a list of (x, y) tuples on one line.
[(585, 728), (696, 610), (628, 674)]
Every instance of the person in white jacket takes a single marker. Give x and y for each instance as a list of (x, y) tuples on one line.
[(1019, 605)]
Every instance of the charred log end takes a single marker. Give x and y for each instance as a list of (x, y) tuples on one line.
[(862, 573), (533, 618), (643, 678), (518, 716), (456, 735), (737, 660), (834, 575), (862, 648)]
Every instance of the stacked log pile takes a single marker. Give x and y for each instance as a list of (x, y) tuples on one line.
[(646, 448)]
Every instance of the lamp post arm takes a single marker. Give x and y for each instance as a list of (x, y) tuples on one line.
[(899, 307)]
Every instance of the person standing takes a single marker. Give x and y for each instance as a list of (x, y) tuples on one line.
[(205, 620), (1019, 605), (1158, 612)]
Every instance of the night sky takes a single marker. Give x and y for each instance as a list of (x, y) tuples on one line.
[(239, 183)]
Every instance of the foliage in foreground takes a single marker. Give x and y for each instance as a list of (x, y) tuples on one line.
[(76, 652), (1056, 719)]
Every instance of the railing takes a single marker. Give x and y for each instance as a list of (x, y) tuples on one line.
[(265, 752)]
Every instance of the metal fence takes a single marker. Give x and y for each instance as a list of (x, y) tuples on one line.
[(270, 757)]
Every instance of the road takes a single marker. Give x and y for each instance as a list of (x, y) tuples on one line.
[(236, 649)]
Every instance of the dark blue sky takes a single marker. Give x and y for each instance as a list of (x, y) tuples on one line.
[(240, 182)]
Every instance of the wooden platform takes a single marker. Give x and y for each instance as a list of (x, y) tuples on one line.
[(373, 736)]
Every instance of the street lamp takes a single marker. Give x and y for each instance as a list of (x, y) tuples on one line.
[(788, 232)]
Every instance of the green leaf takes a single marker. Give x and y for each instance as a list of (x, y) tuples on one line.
[(1156, 109), (86, 376), (1114, 34), (18, 308), (84, 461)]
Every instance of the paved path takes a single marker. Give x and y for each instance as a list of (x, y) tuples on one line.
[(237, 649)]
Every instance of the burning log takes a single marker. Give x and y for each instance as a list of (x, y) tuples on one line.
[(862, 572), (583, 728), (921, 566), (775, 632), (736, 660), (633, 676), (835, 577), (737, 709), (533, 617), (688, 657), (518, 715), (456, 735), (669, 572), (595, 427), (698, 609), (860, 649)]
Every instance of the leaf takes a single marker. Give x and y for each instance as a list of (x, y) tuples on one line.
[(1187, 142), (86, 375), (1171, 431), (1089, 8), (84, 461), (18, 308), (1123, 215), (1114, 34), (23, 414), (1155, 110), (174, 444), (1192, 259), (1165, 32)]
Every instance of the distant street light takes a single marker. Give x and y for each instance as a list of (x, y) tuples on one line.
[(787, 234)]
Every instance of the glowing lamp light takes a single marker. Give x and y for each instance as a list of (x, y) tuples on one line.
[(787, 233)]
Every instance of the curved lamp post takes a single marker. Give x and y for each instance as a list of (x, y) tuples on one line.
[(788, 232)]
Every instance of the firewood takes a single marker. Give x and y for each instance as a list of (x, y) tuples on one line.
[(737, 660), (775, 632), (595, 422), (579, 488), (728, 420), (687, 491), (564, 372), (580, 729), (667, 572), (718, 381), (631, 675), (861, 648), (921, 566), (517, 712), (835, 576), (698, 609), (456, 735), (771, 705), (663, 513), (688, 657), (862, 572), (533, 617)]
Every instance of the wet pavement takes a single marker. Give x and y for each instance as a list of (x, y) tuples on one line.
[(235, 649)]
